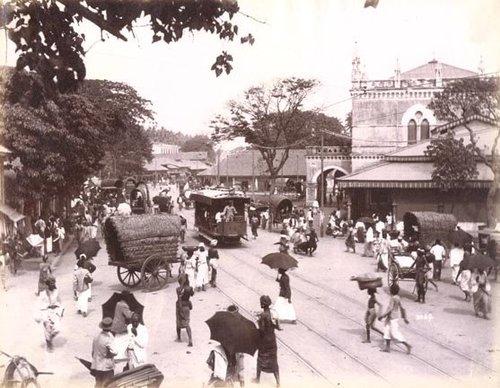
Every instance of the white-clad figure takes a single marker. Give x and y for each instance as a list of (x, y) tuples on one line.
[(190, 268), (138, 340), (202, 267)]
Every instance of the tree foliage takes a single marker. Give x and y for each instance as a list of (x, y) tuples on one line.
[(163, 135), (459, 101), (454, 161), (59, 145), (46, 34), (61, 142), (272, 118)]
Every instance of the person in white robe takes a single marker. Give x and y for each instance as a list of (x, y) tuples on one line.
[(202, 267), (81, 280), (138, 340), (50, 312)]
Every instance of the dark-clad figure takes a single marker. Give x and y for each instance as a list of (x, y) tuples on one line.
[(183, 307), (122, 316), (103, 354), (267, 356), (421, 268)]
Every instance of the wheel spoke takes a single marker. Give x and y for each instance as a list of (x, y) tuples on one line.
[(126, 277)]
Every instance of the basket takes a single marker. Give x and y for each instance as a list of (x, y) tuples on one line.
[(367, 281)]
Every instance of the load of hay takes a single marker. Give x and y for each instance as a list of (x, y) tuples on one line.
[(132, 239)]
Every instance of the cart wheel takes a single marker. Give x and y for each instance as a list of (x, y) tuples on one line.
[(392, 275), (154, 272), (128, 277)]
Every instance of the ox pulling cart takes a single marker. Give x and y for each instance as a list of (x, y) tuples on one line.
[(142, 248)]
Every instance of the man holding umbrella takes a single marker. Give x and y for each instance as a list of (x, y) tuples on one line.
[(236, 334), (81, 281), (283, 306)]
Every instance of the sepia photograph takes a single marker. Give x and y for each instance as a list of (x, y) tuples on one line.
[(259, 193)]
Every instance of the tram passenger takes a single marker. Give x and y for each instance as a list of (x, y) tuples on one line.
[(229, 212)]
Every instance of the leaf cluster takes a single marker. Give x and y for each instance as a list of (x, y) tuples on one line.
[(60, 142), (454, 161), (46, 38)]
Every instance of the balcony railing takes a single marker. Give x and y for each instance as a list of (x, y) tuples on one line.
[(328, 150)]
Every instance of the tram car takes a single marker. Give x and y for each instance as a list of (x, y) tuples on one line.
[(209, 207)]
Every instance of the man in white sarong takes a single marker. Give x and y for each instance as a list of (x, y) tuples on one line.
[(81, 280), (138, 340), (191, 269), (456, 257), (50, 312), (202, 267)]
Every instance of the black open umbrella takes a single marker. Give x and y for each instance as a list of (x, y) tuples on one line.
[(278, 260), (108, 308), (89, 248), (234, 332), (460, 237), (479, 261)]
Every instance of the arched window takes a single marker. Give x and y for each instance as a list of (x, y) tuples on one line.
[(424, 130), (412, 132)]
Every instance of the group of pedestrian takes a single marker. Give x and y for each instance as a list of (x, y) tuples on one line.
[(52, 232), (227, 367), (201, 265)]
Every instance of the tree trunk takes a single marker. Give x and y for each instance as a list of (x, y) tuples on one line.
[(272, 184), (490, 199)]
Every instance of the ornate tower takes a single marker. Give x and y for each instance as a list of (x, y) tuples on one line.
[(356, 71)]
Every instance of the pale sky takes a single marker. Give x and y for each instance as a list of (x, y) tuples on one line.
[(304, 38)]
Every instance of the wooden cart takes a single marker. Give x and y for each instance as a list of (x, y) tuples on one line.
[(142, 248)]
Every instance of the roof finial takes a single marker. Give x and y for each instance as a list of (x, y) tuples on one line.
[(356, 71), (397, 74), (480, 67)]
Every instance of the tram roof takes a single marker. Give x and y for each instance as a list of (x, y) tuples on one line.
[(218, 194)]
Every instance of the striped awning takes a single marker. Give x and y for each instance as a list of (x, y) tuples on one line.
[(404, 184)]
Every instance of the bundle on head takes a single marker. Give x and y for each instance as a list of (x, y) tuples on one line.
[(135, 238)]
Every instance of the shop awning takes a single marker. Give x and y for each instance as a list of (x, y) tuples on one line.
[(11, 213), (406, 175)]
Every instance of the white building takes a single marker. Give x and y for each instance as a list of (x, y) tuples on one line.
[(165, 149)]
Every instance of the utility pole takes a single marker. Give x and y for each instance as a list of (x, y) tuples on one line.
[(322, 183), (218, 167), (253, 175), (227, 170)]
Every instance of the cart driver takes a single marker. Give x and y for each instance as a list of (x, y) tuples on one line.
[(229, 211)]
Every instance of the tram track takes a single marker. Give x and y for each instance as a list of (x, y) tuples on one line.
[(358, 323), (322, 336), (296, 354)]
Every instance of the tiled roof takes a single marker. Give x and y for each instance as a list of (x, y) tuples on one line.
[(240, 164), (428, 71)]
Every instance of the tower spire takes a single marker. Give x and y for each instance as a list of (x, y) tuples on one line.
[(397, 74), (356, 71), (480, 67)]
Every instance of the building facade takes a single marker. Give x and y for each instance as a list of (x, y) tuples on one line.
[(387, 114)]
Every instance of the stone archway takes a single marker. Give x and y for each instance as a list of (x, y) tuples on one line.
[(334, 158), (314, 178), (330, 192)]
